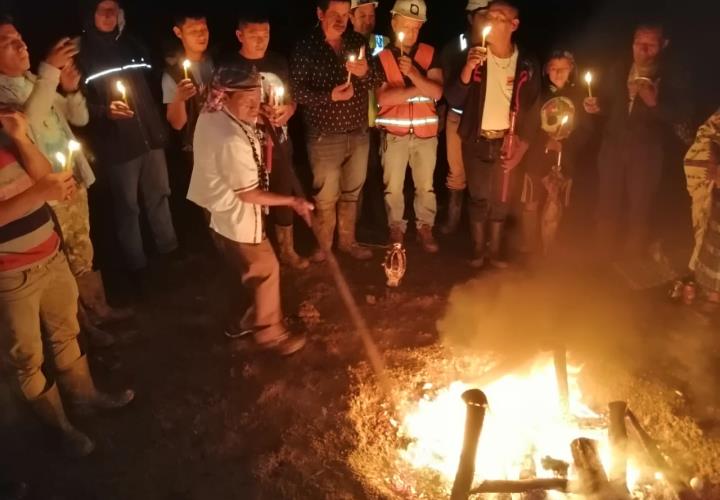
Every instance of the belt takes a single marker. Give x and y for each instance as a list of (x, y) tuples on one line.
[(493, 134)]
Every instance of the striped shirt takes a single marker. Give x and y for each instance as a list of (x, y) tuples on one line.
[(31, 239)]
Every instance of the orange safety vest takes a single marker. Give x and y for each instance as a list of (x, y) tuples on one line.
[(416, 116)]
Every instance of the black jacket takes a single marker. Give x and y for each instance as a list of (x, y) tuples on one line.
[(104, 59), (471, 97)]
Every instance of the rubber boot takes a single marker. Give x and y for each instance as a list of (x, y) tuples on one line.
[(97, 336), (48, 406), (455, 205), (84, 399), (324, 229), (92, 296), (495, 247), (477, 230), (347, 216), (286, 245)]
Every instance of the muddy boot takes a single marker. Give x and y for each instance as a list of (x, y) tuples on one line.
[(426, 239), (397, 235), (286, 245), (97, 336), (455, 204), (48, 406), (278, 339), (92, 296), (324, 229), (84, 399), (347, 215), (477, 230), (495, 247)]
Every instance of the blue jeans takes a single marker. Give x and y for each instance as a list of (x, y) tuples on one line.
[(339, 166), (146, 174)]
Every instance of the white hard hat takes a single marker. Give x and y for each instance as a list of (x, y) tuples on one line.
[(474, 5), (413, 9), (359, 3)]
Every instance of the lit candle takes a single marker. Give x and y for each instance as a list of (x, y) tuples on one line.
[(121, 88), (279, 92), (351, 59), (61, 159), (401, 39), (186, 67), (485, 32), (73, 146), (588, 80)]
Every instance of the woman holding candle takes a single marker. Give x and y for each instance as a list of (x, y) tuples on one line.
[(561, 130)]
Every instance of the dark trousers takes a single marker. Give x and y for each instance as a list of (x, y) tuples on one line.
[(190, 222), (282, 182), (629, 179), (484, 180), (372, 205)]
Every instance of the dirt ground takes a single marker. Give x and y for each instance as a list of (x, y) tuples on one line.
[(216, 419)]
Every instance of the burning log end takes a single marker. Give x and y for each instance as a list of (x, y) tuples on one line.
[(589, 467), (558, 467), (476, 404)]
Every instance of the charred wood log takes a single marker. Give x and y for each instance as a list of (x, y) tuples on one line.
[(558, 467), (617, 434), (476, 403), (680, 486), (521, 486), (591, 473)]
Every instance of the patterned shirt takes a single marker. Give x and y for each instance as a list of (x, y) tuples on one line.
[(315, 69)]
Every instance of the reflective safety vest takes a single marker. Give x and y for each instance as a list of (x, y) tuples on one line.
[(416, 116)]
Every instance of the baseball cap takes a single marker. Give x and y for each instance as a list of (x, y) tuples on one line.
[(412, 9), (358, 3), (474, 5)]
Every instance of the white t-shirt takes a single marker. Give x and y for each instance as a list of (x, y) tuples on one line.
[(224, 165), (500, 81)]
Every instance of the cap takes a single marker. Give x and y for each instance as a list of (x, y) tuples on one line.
[(474, 5), (358, 3), (236, 76), (412, 9)]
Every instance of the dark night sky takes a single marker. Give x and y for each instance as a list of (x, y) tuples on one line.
[(598, 31)]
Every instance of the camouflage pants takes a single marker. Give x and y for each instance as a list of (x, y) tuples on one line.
[(74, 219)]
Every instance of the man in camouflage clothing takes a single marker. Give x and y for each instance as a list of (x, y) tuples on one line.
[(702, 172)]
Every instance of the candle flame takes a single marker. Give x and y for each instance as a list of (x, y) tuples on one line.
[(401, 36), (186, 64), (588, 78), (486, 31), (351, 58), (564, 120), (280, 91), (61, 158), (121, 88), (73, 146)]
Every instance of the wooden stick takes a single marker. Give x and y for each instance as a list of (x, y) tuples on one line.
[(588, 466), (617, 434), (476, 403), (521, 486), (560, 358)]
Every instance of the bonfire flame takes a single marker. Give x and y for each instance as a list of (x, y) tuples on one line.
[(526, 434)]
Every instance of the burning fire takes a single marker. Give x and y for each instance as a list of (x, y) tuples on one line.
[(525, 423)]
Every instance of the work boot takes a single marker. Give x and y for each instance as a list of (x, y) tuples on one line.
[(455, 204), (324, 229), (84, 398), (495, 247), (278, 339), (92, 296), (397, 235), (347, 215), (97, 336), (426, 239), (477, 230), (287, 254), (48, 406)]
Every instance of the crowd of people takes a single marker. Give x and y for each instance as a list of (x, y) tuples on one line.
[(371, 106)]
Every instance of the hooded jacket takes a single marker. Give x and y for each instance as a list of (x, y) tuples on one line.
[(104, 59)]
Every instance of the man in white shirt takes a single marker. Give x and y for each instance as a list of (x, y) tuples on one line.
[(229, 180)]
